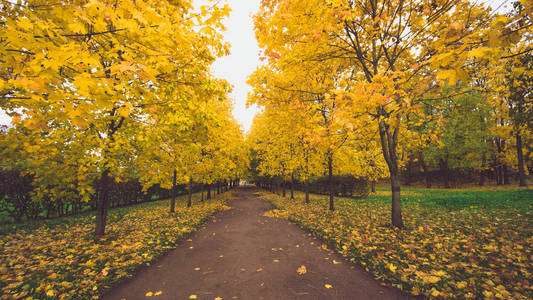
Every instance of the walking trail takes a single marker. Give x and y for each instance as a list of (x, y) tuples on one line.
[(241, 254)]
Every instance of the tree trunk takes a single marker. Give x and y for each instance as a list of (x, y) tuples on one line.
[(396, 212), (292, 187), (520, 157), (373, 186), (173, 201), (482, 172), (218, 187), (505, 174), (499, 175), (424, 169), (307, 191), (330, 182), (389, 142), (202, 192), (499, 169), (445, 172), (208, 191), (283, 187), (189, 199), (103, 203)]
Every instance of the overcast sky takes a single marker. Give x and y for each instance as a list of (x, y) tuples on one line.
[(244, 57)]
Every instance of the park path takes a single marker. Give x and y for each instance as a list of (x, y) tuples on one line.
[(243, 255)]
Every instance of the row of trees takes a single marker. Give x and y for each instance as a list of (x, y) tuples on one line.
[(18, 202), (115, 91), (371, 88)]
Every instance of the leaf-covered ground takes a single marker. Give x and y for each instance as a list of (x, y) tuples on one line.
[(59, 259), (457, 244)]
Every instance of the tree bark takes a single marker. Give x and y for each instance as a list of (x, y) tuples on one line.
[(445, 173), (330, 182), (103, 203), (373, 186), (389, 142), (208, 191), (189, 199), (202, 192), (424, 169), (520, 157), (292, 187), (307, 191), (482, 172), (284, 192), (505, 174), (396, 212), (173, 201)]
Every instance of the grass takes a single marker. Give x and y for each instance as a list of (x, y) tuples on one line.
[(456, 199), (58, 259), (88, 216), (456, 244)]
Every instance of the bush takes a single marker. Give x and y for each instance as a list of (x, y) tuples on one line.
[(343, 185)]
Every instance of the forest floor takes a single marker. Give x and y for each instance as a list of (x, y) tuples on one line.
[(242, 254)]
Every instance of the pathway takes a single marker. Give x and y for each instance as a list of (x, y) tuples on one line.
[(240, 254)]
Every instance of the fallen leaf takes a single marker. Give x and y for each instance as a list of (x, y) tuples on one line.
[(197, 269), (149, 294), (276, 260), (302, 270), (192, 296), (158, 293), (336, 262), (259, 270), (328, 286), (218, 298)]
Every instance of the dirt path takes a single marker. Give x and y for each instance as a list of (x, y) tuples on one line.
[(240, 254)]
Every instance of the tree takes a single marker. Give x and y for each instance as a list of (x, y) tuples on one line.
[(100, 69)]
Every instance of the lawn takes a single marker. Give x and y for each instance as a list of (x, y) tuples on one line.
[(456, 244), (58, 259)]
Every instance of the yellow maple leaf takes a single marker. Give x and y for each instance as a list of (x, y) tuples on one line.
[(302, 270), (149, 294), (158, 293), (328, 286)]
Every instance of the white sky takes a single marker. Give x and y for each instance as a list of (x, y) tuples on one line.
[(244, 57)]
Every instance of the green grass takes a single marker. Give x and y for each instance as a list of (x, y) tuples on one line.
[(87, 217), (458, 199)]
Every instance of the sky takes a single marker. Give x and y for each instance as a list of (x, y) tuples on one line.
[(243, 60)]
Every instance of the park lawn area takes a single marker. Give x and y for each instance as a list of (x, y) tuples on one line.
[(456, 244), (58, 259)]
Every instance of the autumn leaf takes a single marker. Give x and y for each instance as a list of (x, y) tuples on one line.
[(301, 270)]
